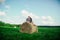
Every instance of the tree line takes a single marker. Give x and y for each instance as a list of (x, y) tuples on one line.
[(8, 24)]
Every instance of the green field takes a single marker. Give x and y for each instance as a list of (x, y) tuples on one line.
[(45, 33)]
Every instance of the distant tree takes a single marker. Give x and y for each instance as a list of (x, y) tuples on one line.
[(2, 23), (8, 24)]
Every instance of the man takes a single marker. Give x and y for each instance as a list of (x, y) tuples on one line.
[(29, 19)]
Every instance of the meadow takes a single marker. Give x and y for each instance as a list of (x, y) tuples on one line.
[(44, 33), (12, 32)]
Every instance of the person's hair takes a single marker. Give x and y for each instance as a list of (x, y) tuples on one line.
[(29, 16)]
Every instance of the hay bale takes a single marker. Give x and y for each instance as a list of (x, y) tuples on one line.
[(28, 28)]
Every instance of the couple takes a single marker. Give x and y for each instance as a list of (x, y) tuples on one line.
[(29, 20)]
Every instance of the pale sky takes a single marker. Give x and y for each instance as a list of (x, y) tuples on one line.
[(43, 12)]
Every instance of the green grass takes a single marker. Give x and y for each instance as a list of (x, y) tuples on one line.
[(10, 33)]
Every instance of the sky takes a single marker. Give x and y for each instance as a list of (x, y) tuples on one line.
[(43, 12)]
